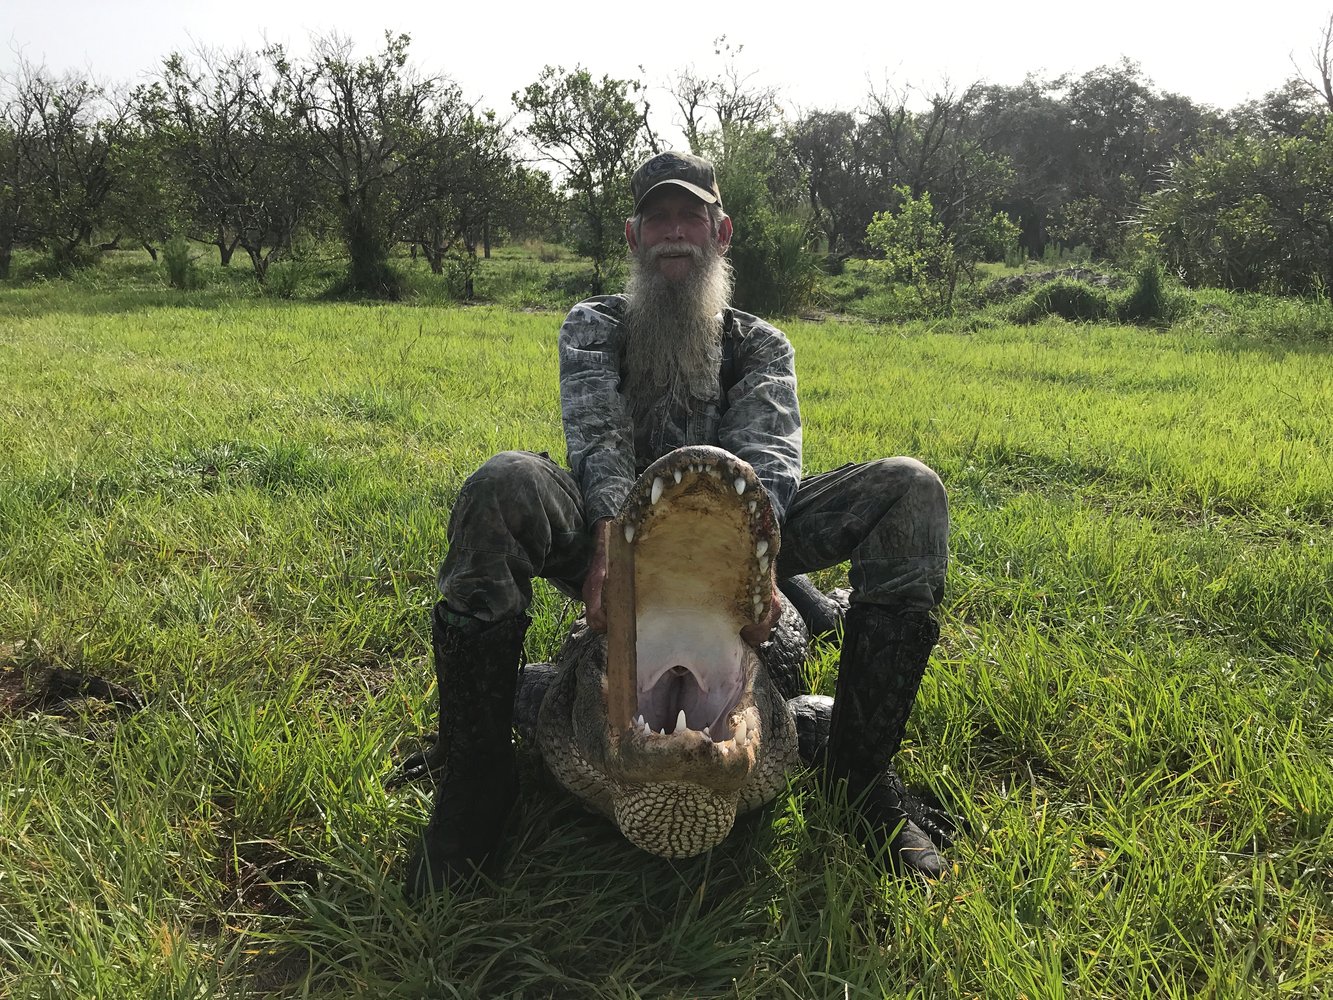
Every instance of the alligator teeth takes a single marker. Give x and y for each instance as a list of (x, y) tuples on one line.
[(763, 564), (758, 603), (742, 731), (681, 724), (761, 547), (739, 484), (676, 474), (629, 532), (706, 732), (714, 471), (657, 489), (753, 505)]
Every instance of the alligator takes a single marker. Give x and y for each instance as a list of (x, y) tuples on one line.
[(717, 724)]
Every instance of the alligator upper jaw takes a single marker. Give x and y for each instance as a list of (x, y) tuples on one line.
[(704, 537)]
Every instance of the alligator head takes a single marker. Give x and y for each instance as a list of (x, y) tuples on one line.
[(711, 735)]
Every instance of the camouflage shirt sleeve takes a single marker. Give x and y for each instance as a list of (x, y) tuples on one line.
[(762, 423), (598, 431)]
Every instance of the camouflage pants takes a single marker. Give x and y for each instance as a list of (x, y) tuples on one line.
[(521, 516)]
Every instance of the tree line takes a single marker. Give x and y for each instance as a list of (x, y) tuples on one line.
[(257, 151)]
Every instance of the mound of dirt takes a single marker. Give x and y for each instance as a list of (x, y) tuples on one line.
[(46, 688)]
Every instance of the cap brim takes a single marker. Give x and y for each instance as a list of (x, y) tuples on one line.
[(703, 194)]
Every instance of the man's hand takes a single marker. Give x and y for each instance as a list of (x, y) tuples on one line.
[(592, 583), (758, 632)]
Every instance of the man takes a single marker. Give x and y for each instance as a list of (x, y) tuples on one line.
[(665, 365)]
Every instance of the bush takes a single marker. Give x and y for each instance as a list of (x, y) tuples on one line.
[(776, 271), (179, 263), (285, 277), (1149, 300), (460, 273), (69, 258), (1071, 299)]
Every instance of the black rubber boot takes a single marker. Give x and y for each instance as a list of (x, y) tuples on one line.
[(477, 672), (884, 655)]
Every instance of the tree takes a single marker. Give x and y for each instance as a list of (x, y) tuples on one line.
[(1317, 80), (57, 147), (827, 149), (367, 121), (1251, 212), (1029, 127), (735, 104), (1124, 134), (596, 132), (230, 136), (457, 190), (20, 174), (919, 251), (774, 268)]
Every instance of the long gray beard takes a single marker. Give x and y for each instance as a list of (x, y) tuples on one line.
[(674, 346)]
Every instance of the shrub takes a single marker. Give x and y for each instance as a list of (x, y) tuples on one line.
[(1147, 299), (1072, 300), (69, 258), (285, 277), (460, 272), (179, 263)]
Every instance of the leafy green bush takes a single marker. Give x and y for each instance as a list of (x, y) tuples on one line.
[(1071, 299), (285, 277), (69, 258), (918, 251), (833, 264), (1251, 212), (179, 263), (460, 273), (776, 271)]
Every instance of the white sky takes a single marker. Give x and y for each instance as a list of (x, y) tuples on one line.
[(818, 54)]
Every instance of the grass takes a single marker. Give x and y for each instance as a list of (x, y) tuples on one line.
[(235, 505)]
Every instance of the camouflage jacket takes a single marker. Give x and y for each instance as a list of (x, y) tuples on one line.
[(759, 421)]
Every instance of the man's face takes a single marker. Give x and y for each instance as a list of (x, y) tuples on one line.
[(676, 227)]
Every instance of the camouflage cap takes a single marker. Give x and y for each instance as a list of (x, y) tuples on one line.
[(693, 173)]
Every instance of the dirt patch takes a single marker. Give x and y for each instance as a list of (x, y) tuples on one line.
[(29, 685)]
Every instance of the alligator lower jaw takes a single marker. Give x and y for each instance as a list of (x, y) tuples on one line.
[(642, 757), (701, 818)]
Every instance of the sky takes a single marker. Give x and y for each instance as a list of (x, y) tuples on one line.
[(817, 55)]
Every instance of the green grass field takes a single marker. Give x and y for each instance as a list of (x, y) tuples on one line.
[(235, 506)]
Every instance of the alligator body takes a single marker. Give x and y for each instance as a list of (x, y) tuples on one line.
[(715, 730), (718, 723)]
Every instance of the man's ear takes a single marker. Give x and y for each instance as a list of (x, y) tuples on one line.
[(724, 232), (629, 235)]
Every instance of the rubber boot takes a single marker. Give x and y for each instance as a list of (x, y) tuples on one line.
[(477, 672), (884, 655)]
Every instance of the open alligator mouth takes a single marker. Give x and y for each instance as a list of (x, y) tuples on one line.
[(670, 723), (704, 538)]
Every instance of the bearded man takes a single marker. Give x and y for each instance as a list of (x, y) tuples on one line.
[(665, 365)]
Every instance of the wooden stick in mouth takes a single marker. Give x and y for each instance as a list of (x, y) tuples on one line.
[(622, 662)]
